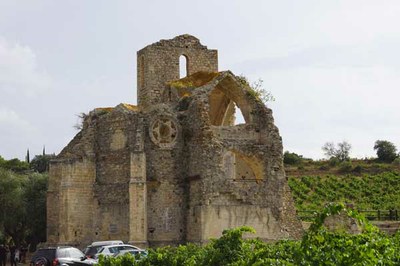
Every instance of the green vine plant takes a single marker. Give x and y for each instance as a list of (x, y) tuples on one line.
[(318, 246)]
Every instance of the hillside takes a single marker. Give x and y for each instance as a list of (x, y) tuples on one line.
[(363, 184)]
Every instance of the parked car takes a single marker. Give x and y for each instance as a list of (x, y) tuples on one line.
[(133, 252), (60, 256), (113, 249), (95, 247)]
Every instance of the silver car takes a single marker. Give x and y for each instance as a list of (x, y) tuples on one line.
[(113, 249)]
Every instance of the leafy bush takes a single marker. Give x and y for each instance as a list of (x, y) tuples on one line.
[(14, 165), (333, 161), (318, 246), (292, 158), (23, 207), (358, 169), (345, 167)]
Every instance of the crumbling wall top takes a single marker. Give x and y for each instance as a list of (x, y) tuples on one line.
[(180, 41)]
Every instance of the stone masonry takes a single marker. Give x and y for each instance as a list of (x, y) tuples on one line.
[(175, 168)]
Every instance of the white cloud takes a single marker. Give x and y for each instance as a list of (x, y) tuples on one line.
[(19, 72), (11, 122), (17, 134), (315, 105)]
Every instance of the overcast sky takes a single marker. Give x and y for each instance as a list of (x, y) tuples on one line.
[(333, 66)]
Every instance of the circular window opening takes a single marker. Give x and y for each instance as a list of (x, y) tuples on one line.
[(163, 132)]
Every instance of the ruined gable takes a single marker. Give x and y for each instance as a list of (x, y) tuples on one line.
[(175, 168)]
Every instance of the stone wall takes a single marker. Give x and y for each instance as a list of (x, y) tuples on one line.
[(166, 186), (70, 201), (219, 200)]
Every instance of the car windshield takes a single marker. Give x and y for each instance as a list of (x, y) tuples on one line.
[(75, 253), (92, 250), (45, 252), (113, 249)]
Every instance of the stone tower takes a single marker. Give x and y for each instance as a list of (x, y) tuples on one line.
[(175, 168), (158, 64)]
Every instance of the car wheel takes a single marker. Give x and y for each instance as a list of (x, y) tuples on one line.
[(42, 261)]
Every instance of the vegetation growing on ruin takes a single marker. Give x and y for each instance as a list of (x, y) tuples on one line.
[(198, 79), (318, 246), (256, 89)]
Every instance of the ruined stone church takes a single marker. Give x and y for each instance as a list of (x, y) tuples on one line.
[(175, 168)]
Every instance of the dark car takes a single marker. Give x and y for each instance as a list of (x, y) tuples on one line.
[(60, 256)]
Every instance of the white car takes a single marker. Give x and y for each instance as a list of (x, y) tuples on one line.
[(133, 252), (113, 249), (95, 247)]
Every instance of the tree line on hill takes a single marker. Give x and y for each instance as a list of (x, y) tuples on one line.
[(386, 152), (23, 187)]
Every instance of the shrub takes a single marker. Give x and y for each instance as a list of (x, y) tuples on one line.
[(333, 161), (292, 158), (396, 161), (358, 169), (318, 246), (324, 167), (345, 167)]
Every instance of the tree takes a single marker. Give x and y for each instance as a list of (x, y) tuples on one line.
[(341, 152), (14, 164), (27, 157), (12, 208), (34, 198), (23, 207), (385, 150), (40, 163), (292, 158)]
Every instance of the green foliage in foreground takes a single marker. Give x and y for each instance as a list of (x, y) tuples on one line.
[(317, 247), (22, 207), (366, 192)]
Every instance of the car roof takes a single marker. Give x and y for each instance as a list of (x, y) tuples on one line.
[(55, 247), (107, 242), (130, 251), (125, 245)]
